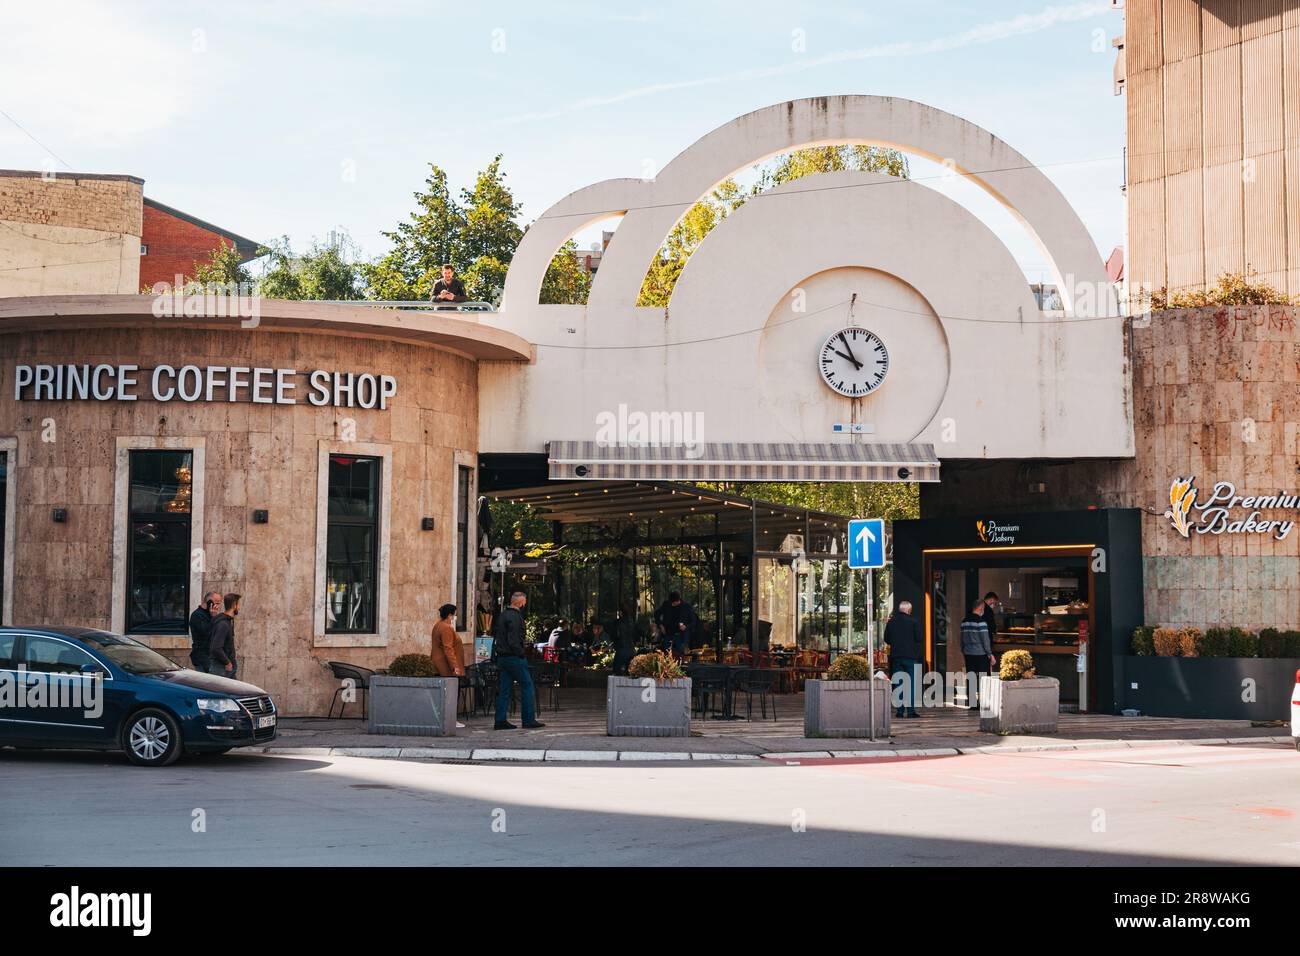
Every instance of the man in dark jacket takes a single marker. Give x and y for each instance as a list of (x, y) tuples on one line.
[(977, 648), (624, 640), (508, 650), (680, 623), (221, 648), (903, 635), (201, 630)]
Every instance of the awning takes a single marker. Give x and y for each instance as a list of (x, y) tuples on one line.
[(742, 461)]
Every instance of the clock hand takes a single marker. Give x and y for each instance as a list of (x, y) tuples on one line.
[(849, 357)]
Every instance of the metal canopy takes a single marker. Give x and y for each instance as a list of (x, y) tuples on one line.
[(610, 502), (743, 461)]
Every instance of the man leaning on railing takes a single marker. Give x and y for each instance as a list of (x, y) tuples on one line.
[(448, 288)]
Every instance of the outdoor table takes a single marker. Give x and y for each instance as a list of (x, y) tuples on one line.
[(729, 672)]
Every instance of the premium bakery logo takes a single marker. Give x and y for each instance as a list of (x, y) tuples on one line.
[(1221, 511), (991, 532)]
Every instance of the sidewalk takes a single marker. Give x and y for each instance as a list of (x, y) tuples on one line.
[(577, 732)]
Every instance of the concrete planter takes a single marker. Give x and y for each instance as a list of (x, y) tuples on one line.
[(413, 706), (1222, 688), (634, 708), (1019, 706), (842, 708)]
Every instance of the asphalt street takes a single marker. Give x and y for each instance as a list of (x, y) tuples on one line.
[(1184, 804)]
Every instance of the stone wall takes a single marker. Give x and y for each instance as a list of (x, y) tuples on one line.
[(257, 456), (1216, 397)]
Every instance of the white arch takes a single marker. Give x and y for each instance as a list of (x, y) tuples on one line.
[(653, 208)]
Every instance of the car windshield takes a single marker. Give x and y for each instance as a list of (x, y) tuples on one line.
[(131, 656)]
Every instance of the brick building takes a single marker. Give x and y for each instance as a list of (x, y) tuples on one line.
[(172, 241)]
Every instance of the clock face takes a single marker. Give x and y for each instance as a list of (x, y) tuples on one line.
[(854, 362)]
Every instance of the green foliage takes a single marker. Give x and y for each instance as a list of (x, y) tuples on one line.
[(706, 214), (849, 667), (1141, 642), (1242, 643), (412, 665), (1276, 643), (323, 272), (1231, 288), (1216, 643), (223, 267), (657, 665), (885, 499), (1016, 665), (566, 282)]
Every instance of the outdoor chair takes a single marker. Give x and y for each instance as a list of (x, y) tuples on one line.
[(707, 684), (547, 679), (360, 677), (491, 679), (471, 692), (756, 683)]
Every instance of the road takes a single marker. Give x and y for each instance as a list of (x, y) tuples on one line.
[(1126, 807)]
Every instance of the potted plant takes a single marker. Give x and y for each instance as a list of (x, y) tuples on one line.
[(839, 705), (1017, 701), (412, 699), (654, 700)]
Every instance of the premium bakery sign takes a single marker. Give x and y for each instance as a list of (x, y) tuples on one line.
[(1224, 511)]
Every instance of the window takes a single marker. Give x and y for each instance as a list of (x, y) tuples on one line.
[(463, 615), (352, 544), (7, 642), (158, 540), (46, 655)]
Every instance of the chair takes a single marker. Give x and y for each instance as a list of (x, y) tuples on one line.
[(490, 676), (360, 677), (758, 683), (707, 683), (471, 692), (549, 678)]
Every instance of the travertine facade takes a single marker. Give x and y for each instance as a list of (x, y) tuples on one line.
[(1216, 396), (255, 457), (1213, 141)]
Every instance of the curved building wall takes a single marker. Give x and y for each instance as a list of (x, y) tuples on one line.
[(72, 455)]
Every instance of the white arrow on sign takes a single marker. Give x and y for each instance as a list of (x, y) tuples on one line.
[(865, 533)]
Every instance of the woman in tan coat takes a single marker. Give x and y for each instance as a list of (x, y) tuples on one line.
[(448, 656)]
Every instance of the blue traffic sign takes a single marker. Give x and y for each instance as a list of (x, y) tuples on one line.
[(867, 543)]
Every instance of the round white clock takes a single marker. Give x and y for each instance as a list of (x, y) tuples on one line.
[(853, 362)]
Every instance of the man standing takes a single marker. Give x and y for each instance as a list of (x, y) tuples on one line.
[(903, 635), (201, 630), (681, 623), (977, 647), (624, 640), (448, 288), (225, 663), (508, 648), (991, 605)]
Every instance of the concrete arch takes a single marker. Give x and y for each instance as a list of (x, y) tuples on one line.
[(652, 208)]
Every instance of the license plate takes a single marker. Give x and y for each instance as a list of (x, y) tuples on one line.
[(264, 722)]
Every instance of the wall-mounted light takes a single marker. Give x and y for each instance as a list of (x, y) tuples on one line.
[(261, 516), (904, 474), (59, 515), (426, 524)]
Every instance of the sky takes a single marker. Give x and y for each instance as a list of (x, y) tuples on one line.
[(301, 117)]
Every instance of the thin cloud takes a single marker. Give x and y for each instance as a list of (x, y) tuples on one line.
[(986, 33)]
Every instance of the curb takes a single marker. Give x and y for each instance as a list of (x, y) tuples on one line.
[(505, 755)]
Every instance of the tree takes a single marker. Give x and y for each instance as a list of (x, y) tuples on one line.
[(222, 268), (877, 499), (566, 282), (324, 272), (705, 215), (430, 237), (489, 234)]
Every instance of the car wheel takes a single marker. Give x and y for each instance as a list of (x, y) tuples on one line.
[(151, 738)]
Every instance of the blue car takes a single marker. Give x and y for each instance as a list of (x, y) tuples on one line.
[(76, 687)]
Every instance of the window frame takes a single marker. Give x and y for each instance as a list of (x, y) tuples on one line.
[(157, 517), (373, 522)]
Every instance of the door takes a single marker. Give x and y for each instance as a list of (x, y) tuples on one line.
[(66, 704)]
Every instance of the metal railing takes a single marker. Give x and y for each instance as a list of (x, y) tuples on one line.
[(416, 305)]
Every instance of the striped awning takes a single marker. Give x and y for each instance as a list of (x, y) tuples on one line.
[(742, 461)]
